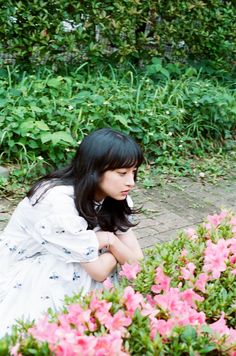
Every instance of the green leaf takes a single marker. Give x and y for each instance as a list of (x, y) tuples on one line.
[(46, 137), (36, 108), (62, 136), (189, 334), (41, 125), (121, 119), (208, 349), (3, 102), (55, 82), (27, 125)]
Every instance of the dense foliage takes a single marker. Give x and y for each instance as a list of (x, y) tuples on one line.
[(179, 301), (59, 31), (172, 112)]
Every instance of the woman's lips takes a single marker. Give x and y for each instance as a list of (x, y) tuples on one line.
[(125, 192)]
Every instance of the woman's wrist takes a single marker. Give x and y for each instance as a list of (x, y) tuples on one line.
[(110, 239), (105, 239)]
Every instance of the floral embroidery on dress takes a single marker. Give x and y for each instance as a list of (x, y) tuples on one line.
[(17, 285), (54, 276), (89, 252), (76, 276), (44, 297), (68, 252)]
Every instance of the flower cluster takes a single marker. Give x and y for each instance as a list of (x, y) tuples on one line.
[(166, 298)]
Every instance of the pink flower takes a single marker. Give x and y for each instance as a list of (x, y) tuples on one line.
[(163, 327), (220, 328), (101, 309), (109, 345), (180, 307), (191, 233), (169, 301), (82, 345), (14, 350), (117, 322), (233, 259), (215, 219), (99, 305), (132, 300), (130, 271), (220, 325), (189, 296), (149, 309), (233, 221), (215, 257), (108, 284), (161, 280), (187, 272), (200, 284), (232, 246), (45, 331), (184, 252)]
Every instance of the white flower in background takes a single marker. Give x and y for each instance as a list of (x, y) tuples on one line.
[(201, 174), (13, 19), (69, 25), (181, 44)]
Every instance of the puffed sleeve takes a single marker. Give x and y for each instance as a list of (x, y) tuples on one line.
[(67, 237), (61, 231)]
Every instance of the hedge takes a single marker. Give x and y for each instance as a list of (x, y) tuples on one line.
[(62, 31)]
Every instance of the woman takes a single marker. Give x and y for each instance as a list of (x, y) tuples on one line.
[(70, 231)]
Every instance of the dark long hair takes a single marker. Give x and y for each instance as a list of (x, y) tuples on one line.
[(102, 150)]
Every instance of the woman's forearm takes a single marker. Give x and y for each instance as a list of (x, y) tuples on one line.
[(125, 248), (101, 268), (122, 252)]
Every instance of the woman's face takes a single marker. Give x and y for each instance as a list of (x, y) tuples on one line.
[(116, 183)]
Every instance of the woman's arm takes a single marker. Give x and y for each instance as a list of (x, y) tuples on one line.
[(124, 247), (100, 269)]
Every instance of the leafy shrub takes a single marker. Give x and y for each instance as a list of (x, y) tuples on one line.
[(173, 117), (179, 301), (59, 32)]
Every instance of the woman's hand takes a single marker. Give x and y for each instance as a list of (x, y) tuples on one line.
[(124, 247), (105, 238)]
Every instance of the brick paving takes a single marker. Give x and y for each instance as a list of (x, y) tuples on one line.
[(176, 206), (168, 209)]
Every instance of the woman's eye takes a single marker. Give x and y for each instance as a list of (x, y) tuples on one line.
[(121, 173)]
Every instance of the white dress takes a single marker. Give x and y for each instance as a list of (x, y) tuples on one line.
[(40, 252)]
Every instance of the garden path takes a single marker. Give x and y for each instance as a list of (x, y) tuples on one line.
[(170, 208)]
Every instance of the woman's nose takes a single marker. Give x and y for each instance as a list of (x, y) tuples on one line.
[(130, 180)]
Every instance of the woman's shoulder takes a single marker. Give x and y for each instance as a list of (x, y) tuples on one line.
[(53, 193), (62, 189)]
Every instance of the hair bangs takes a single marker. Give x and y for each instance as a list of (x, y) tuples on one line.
[(123, 155)]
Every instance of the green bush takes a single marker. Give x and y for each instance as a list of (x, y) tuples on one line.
[(44, 117), (33, 32), (179, 301)]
